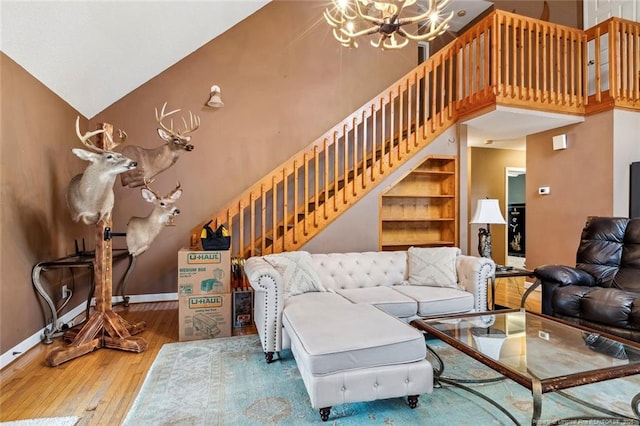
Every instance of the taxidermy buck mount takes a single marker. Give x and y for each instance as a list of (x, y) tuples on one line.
[(141, 231), (90, 194), (155, 160)]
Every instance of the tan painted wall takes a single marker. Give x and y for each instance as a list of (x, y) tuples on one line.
[(37, 134), (284, 81), (561, 12), (488, 180), (581, 182)]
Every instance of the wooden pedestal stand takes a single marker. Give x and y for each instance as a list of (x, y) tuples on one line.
[(104, 328)]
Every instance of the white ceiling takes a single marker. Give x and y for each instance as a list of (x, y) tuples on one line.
[(93, 52), (506, 127)]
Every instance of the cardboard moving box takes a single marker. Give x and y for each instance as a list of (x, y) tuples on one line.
[(204, 316), (203, 272)]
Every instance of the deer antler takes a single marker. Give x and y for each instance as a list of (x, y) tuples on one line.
[(194, 122), (148, 182), (86, 138), (160, 118), (176, 188)]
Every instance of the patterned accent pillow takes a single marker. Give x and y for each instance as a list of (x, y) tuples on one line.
[(433, 266), (296, 269)]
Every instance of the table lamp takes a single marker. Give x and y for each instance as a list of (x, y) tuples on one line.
[(487, 211)]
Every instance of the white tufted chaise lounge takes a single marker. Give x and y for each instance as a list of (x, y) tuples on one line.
[(352, 342)]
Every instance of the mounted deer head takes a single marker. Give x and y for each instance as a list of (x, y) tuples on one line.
[(141, 231), (90, 194), (155, 160)]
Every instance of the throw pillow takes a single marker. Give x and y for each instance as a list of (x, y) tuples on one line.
[(433, 266), (296, 269)]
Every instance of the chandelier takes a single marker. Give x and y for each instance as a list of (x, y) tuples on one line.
[(351, 19)]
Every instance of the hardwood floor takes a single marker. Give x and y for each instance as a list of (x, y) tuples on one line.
[(98, 387), (101, 386), (509, 292)]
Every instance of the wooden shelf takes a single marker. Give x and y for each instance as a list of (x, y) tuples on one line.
[(421, 209), (416, 219), (419, 196), (417, 243), (432, 172)]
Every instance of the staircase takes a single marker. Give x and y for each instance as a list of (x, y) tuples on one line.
[(505, 59)]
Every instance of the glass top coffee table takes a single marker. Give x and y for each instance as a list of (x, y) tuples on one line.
[(539, 352)]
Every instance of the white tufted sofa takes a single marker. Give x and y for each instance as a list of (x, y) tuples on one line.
[(353, 342)]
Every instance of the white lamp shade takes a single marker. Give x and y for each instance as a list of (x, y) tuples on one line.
[(488, 211)]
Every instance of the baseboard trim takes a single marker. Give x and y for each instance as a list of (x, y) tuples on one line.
[(21, 348)]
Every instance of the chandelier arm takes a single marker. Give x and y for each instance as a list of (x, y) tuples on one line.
[(344, 11), (337, 34), (331, 21), (380, 41), (368, 31), (392, 42), (372, 19), (414, 19), (442, 5), (433, 33)]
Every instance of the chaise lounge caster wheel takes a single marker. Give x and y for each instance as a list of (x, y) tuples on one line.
[(268, 356), (413, 401), (324, 413)]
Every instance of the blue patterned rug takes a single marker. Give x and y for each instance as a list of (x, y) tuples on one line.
[(227, 382)]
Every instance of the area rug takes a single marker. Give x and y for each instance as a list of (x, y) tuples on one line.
[(49, 421), (227, 382)]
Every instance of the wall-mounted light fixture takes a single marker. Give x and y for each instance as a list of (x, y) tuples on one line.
[(214, 99)]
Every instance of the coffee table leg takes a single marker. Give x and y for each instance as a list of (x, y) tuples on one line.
[(458, 383), (536, 391), (635, 405)]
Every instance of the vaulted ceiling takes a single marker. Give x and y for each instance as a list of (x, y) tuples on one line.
[(92, 53)]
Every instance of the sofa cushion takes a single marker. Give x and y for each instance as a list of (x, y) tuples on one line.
[(316, 300), (354, 270), (338, 337), (384, 298), (433, 266), (297, 272), (437, 300)]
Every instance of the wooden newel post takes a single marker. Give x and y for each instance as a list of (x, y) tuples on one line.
[(104, 328)]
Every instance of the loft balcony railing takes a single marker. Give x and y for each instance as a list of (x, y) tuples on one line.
[(505, 59)]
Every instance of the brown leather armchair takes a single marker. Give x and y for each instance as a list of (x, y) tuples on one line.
[(603, 290)]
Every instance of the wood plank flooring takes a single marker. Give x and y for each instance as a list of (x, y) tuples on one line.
[(98, 387), (509, 292)]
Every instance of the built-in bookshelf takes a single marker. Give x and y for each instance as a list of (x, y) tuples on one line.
[(421, 209)]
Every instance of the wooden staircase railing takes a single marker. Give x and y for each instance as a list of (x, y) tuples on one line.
[(613, 65), (504, 59)]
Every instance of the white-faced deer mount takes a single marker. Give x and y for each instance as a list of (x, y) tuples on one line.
[(155, 160), (90, 194), (141, 231)]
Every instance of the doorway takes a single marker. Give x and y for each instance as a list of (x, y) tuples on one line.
[(515, 200)]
